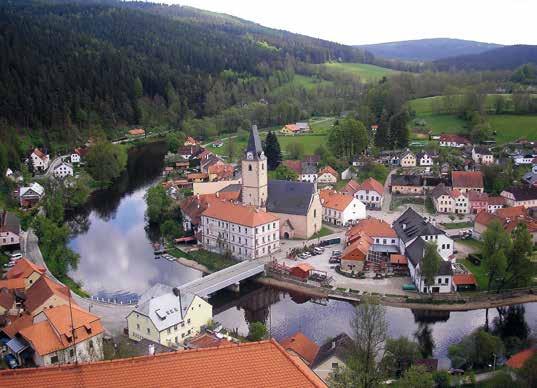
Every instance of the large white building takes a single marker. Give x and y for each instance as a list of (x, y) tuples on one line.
[(63, 170), (168, 316), (244, 231)]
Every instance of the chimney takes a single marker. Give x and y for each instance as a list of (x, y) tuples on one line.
[(217, 194), (151, 349)]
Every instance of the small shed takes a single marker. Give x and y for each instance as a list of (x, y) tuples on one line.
[(301, 271), (464, 282)]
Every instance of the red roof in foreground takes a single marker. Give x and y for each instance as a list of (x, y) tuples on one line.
[(255, 364), (301, 345), (464, 279), (517, 360)]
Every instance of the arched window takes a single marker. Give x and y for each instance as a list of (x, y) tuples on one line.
[(262, 166), (249, 167)]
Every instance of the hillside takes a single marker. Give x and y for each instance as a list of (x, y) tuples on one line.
[(503, 58), (428, 49), (66, 66)]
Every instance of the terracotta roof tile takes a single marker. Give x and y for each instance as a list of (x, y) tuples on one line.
[(334, 200), (13, 284), (464, 279), (40, 154), (351, 187), (472, 179), (7, 298), (42, 290), (206, 340), (517, 360), (24, 268), (17, 325), (398, 259), (302, 346), (371, 184), (329, 170), (238, 214), (373, 227), (358, 249), (136, 132), (256, 364)]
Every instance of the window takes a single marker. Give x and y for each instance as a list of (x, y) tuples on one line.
[(71, 353), (439, 281), (249, 167), (138, 326), (188, 321), (53, 359), (446, 280), (175, 327), (169, 330), (314, 213), (335, 365), (176, 339), (148, 330), (183, 335)]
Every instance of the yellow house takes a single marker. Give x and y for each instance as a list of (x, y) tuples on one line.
[(168, 316), (408, 159), (46, 294), (25, 269)]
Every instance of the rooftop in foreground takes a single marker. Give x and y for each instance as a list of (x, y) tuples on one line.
[(256, 364)]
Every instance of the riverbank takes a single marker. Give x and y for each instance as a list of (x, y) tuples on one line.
[(462, 303)]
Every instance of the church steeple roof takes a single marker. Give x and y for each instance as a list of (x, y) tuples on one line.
[(254, 144)]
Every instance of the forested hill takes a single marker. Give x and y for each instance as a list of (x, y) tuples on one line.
[(428, 49), (69, 65), (504, 58)]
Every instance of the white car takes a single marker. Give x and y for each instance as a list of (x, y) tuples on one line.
[(16, 256)]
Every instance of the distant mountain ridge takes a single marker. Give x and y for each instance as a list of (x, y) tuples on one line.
[(503, 58), (428, 49)]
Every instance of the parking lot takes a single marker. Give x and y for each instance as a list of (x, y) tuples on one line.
[(320, 262)]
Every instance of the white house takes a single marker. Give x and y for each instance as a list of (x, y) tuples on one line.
[(10, 229), (424, 159), (40, 160), (443, 280), (341, 209), (243, 231), (328, 175), (482, 155), (168, 316), (411, 226), (63, 170), (370, 192), (442, 199), (461, 204), (523, 159), (520, 196), (30, 195)]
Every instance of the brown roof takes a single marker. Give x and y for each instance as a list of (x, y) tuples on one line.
[(334, 200), (254, 364), (194, 205), (13, 284), (496, 201), (371, 184), (207, 340), (292, 127), (373, 227), (454, 138), (295, 165), (302, 346), (351, 187), (358, 249), (329, 170), (472, 179), (238, 214), (476, 196), (518, 360), (56, 332), (40, 154), (398, 259), (7, 298), (17, 325), (24, 268), (221, 170), (511, 212), (509, 218), (464, 279), (42, 290), (190, 141), (136, 131)]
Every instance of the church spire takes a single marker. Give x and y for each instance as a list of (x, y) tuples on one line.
[(254, 150)]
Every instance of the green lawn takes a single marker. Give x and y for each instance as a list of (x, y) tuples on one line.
[(479, 272), (325, 231), (213, 261), (309, 142), (512, 127), (364, 71), (457, 225), (472, 243)]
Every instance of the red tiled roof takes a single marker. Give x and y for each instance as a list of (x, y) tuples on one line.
[(207, 340), (398, 259), (472, 179), (7, 298), (351, 187), (295, 165), (476, 196), (17, 325), (518, 360), (40, 154), (13, 284), (304, 267), (358, 249), (329, 170), (511, 212), (136, 131), (454, 138), (302, 346), (255, 364), (221, 170), (373, 227), (292, 127), (238, 214), (496, 201), (372, 184), (24, 268), (42, 290), (464, 279), (334, 200)]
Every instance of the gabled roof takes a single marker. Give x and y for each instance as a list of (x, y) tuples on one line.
[(440, 190), (522, 193), (206, 340), (371, 184), (334, 200), (24, 268), (238, 214), (410, 225), (302, 346), (464, 279), (13, 284), (339, 346), (56, 331), (415, 253), (351, 187), (374, 227), (295, 165), (7, 298), (518, 360), (472, 179), (476, 196), (254, 144), (289, 197), (195, 205), (34, 187), (9, 222), (254, 364), (18, 324), (360, 244), (329, 170), (40, 154), (42, 290)]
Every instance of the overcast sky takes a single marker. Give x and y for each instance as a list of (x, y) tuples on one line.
[(375, 21)]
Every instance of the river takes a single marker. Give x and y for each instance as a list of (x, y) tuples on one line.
[(116, 260)]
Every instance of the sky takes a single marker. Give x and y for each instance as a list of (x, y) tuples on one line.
[(377, 21)]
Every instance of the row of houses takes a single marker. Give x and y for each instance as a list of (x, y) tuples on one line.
[(41, 322)]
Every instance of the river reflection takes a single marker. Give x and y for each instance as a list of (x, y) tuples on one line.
[(116, 257), (320, 322)]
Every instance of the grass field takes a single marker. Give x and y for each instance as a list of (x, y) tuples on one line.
[(479, 272), (364, 71), (508, 127)]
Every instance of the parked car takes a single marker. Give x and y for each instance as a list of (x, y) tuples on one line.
[(318, 250), (11, 361), (15, 256), (306, 254), (334, 260)]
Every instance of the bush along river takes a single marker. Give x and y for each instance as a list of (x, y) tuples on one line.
[(117, 261)]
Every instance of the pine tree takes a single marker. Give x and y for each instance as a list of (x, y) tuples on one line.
[(273, 151)]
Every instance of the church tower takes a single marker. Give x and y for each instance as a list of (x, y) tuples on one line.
[(254, 172)]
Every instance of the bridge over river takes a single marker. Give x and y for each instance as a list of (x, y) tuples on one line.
[(226, 277)]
